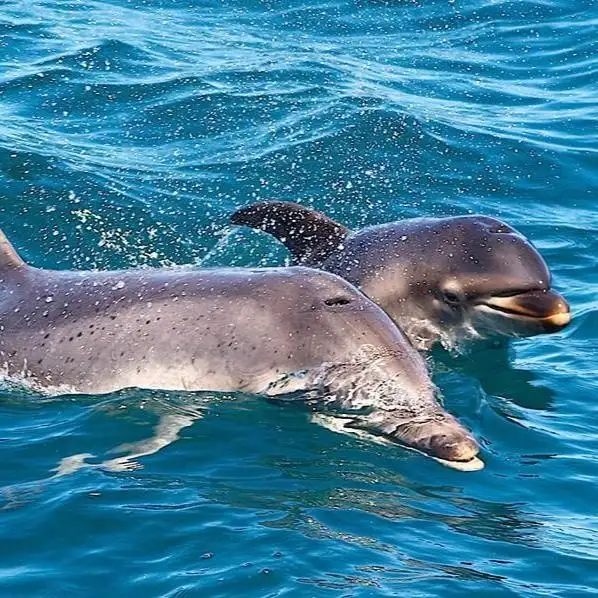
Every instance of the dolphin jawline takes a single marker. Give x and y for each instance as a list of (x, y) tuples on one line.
[(545, 307)]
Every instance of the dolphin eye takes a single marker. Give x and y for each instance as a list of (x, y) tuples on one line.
[(451, 297)]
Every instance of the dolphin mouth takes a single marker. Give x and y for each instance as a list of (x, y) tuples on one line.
[(547, 308)]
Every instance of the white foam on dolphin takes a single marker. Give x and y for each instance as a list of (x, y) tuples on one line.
[(26, 381)]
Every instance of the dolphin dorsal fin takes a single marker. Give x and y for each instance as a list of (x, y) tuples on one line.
[(9, 258), (309, 235)]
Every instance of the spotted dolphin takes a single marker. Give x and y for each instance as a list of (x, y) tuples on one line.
[(272, 332), (439, 279)]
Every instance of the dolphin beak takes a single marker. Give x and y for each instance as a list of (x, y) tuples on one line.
[(468, 459), (547, 308)]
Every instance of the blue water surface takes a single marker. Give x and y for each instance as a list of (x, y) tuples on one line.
[(130, 129)]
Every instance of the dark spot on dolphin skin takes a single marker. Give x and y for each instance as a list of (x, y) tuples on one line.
[(148, 321), (71, 338), (79, 334), (337, 301), (122, 353), (47, 335), (91, 325), (113, 317), (39, 361)]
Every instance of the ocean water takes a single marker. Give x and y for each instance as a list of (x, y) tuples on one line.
[(130, 129)]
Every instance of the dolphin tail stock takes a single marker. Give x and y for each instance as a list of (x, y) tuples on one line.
[(9, 258), (308, 234)]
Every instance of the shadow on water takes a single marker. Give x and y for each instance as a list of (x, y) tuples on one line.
[(405, 502), (491, 364)]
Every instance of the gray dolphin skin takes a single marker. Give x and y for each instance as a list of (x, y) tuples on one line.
[(440, 279), (267, 331)]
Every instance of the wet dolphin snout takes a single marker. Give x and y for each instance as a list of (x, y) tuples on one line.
[(547, 308), (445, 439), (439, 435)]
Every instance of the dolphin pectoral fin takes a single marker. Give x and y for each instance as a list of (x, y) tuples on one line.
[(309, 235), (9, 258), (165, 433), (72, 464)]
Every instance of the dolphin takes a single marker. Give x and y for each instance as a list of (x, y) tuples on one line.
[(278, 332), (442, 280)]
